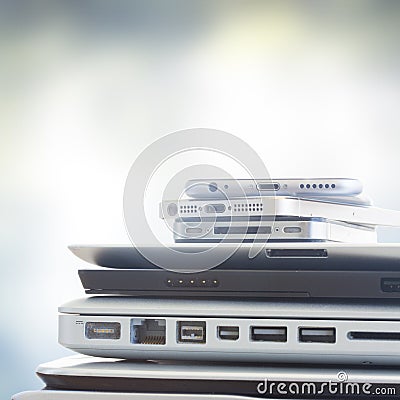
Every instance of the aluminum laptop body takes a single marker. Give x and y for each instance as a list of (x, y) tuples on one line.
[(237, 331), (195, 381), (96, 395)]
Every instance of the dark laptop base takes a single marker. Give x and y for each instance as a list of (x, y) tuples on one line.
[(244, 283)]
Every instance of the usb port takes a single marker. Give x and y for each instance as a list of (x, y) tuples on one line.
[(228, 332), (191, 331), (317, 335), (268, 333)]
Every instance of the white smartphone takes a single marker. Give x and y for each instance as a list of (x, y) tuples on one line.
[(228, 188)]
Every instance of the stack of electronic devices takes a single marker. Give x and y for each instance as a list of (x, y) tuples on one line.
[(307, 317), (231, 211)]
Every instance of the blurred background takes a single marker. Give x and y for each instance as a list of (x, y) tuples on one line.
[(85, 86)]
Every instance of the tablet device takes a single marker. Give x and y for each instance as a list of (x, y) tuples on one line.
[(317, 256)]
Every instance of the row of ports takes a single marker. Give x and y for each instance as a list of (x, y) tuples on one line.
[(153, 331), (188, 332)]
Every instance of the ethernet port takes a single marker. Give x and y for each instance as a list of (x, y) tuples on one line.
[(147, 331)]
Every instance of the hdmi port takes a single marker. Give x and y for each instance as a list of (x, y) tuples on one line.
[(268, 333)]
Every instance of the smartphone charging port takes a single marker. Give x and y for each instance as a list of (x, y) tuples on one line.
[(268, 186)]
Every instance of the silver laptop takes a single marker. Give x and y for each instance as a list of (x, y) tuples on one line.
[(95, 395), (87, 395), (238, 331), (219, 381)]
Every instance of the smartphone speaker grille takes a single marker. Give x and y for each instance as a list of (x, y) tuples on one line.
[(317, 186), (246, 207), (187, 209)]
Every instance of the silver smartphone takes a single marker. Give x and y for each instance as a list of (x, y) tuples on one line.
[(242, 230), (227, 188), (279, 206)]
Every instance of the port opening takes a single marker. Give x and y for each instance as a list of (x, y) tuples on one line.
[(268, 186), (228, 332), (268, 333), (191, 331), (242, 230), (317, 335), (292, 229), (148, 331), (214, 208), (384, 336), (103, 330), (297, 253), (390, 285), (192, 231)]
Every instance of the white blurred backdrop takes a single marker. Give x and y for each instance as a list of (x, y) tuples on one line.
[(85, 86)]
